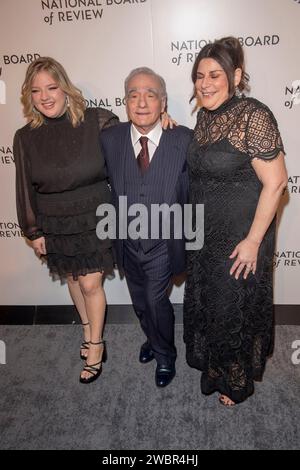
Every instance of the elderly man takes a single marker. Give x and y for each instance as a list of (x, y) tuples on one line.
[(148, 165)]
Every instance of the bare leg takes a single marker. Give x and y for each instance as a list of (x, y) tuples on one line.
[(95, 303), (78, 299)]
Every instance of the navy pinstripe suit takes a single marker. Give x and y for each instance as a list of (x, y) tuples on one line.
[(149, 264)]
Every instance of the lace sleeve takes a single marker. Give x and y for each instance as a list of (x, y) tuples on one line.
[(25, 193), (106, 118), (263, 139)]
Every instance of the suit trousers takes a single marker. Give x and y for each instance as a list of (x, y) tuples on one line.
[(148, 278)]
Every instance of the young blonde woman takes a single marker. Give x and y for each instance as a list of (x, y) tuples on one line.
[(60, 181)]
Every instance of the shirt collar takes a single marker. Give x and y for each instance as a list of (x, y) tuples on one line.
[(154, 135)]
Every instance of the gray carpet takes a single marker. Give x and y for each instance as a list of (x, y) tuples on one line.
[(43, 406)]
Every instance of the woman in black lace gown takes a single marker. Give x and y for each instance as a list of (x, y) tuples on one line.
[(237, 171), (60, 181)]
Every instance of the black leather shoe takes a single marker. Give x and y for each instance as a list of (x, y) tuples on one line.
[(146, 354), (164, 375)]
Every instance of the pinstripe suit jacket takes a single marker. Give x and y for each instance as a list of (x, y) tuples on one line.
[(172, 151)]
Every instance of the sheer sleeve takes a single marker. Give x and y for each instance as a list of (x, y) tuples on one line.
[(263, 139), (106, 118), (25, 193)]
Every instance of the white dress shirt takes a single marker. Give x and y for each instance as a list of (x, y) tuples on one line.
[(153, 142)]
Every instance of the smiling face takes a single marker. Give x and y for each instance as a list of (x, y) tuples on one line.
[(212, 84), (47, 96), (144, 102)]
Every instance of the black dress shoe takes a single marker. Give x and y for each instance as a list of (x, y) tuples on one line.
[(164, 375), (146, 354)]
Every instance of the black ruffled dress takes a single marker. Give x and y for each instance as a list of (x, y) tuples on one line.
[(60, 181)]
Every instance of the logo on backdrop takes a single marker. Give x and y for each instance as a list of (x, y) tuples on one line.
[(6, 155), (292, 94), (13, 59), (80, 10), (287, 259), (293, 186), (187, 51), (109, 103), (20, 59), (10, 230)]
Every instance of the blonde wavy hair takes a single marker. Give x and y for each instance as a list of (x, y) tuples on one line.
[(76, 103)]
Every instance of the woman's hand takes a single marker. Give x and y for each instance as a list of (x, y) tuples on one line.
[(246, 258), (167, 121), (39, 246)]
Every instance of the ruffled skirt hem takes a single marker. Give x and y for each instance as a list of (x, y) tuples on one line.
[(73, 248), (80, 265)]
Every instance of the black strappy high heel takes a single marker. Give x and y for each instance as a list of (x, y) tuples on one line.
[(92, 369)]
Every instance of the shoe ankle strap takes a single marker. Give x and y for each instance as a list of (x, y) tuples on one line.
[(85, 324), (99, 342)]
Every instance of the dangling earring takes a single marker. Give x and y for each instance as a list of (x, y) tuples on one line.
[(238, 92), (67, 101)]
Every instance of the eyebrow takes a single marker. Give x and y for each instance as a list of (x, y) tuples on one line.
[(49, 84), (152, 90), (212, 71)]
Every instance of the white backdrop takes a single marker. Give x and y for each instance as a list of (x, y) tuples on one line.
[(99, 42)]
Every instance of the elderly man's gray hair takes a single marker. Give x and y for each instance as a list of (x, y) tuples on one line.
[(147, 71)]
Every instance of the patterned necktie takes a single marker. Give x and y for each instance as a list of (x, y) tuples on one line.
[(143, 157)]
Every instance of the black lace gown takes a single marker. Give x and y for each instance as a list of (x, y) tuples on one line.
[(228, 323), (60, 181)]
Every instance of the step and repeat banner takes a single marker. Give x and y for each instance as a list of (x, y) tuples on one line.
[(99, 42)]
